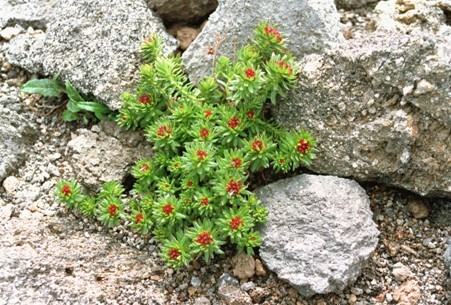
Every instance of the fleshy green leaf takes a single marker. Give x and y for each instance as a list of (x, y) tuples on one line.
[(45, 87), (93, 107), (69, 116), (72, 93), (72, 106)]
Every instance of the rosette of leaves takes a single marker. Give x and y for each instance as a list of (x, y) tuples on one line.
[(193, 194)]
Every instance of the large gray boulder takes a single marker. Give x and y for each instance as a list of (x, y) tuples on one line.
[(105, 153), (319, 234), (16, 133), (309, 26), (380, 109), (93, 44)]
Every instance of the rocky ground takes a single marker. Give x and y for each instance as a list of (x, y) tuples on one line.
[(52, 256)]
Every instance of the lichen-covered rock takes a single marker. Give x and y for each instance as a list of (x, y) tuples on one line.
[(380, 109), (93, 44), (183, 11), (16, 134), (309, 26), (319, 234), (104, 154)]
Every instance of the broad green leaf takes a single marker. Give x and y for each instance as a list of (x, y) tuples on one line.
[(94, 107), (72, 106), (45, 87), (69, 116), (72, 93)]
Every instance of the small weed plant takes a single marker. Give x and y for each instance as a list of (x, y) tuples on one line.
[(77, 107), (192, 195)]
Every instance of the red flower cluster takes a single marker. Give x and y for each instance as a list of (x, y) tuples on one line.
[(139, 217), (164, 131), (303, 146), (174, 253), (204, 238), (250, 73), (189, 184), (66, 190), (204, 201), (235, 223), (233, 187), (236, 163), (145, 99), (285, 66), (207, 113), (204, 133), (257, 146), (234, 122), (112, 210), (250, 114), (201, 155), (167, 209), (144, 168), (270, 31)]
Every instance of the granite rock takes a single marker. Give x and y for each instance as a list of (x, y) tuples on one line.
[(93, 44), (379, 108), (105, 153), (309, 26), (319, 234)]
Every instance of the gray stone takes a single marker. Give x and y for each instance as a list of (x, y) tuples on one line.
[(401, 272), (10, 184), (93, 44), (195, 281), (359, 102), (319, 234), (247, 286), (243, 266), (227, 279), (183, 11), (16, 134), (202, 301), (6, 212), (105, 156), (309, 26), (10, 32), (234, 296), (353, 4), (447, 256)]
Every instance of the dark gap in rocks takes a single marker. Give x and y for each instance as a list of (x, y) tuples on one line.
[(184, 20), (128, 182), (35, 24), (447, 14)]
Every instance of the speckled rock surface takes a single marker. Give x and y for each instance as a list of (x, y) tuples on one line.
[(94, 44), (309, 26), (409, 16), (25, 13), (183, 11), (105, 153), (320, 232), (379, 108), (16, 133)]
